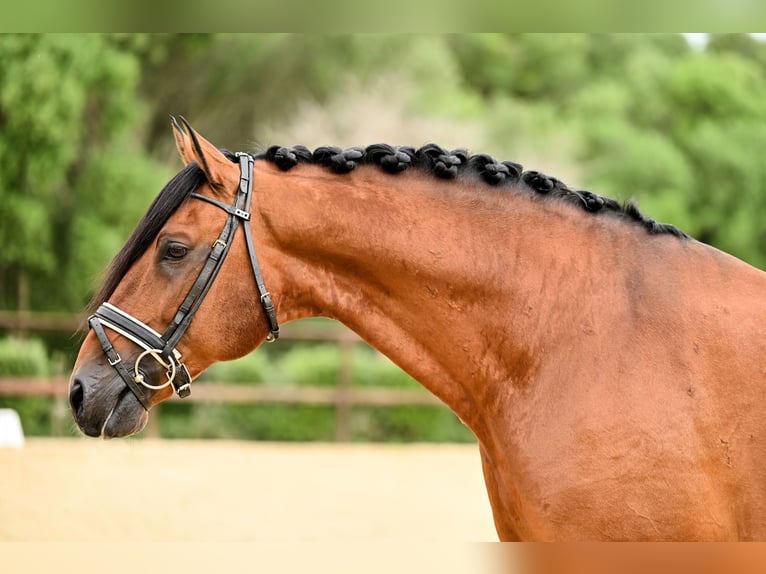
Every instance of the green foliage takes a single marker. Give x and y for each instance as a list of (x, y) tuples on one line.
[(623, 157), (408, 424), (743, 46), (697, 93), (312, 365), (725, 216), (255, 368), (371, 369), (252, 422), (22, 358)]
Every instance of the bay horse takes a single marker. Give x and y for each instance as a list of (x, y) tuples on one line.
[(612, 369)]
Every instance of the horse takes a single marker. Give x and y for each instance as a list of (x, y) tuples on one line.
[(611, 367)]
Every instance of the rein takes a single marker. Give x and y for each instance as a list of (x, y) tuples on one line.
[(162, 348)]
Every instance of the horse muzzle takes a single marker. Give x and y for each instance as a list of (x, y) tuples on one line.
[(103, 406)]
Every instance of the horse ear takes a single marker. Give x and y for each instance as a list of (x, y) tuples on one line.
[(182, 142), (221, 173)]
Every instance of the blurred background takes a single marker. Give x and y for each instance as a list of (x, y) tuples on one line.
[(677, 122)]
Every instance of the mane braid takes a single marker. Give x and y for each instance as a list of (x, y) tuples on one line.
[(449, 164)]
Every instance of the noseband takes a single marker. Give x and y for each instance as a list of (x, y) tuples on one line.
[(162, 348)]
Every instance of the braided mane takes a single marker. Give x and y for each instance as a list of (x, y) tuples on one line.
[(449, 164)]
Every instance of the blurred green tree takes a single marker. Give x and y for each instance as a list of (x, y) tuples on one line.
[(73, 178)]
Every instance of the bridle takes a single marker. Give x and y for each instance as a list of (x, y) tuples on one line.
[(162, 348)]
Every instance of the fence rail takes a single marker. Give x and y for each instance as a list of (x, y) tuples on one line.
[(212, 392), (21, 321), (343, 396), (343, 399)]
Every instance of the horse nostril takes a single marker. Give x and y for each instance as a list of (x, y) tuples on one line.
[(76, 394)]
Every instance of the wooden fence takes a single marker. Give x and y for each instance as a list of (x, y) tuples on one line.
[(343, 396)]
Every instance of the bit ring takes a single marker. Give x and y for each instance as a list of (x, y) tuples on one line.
[(156, 354)]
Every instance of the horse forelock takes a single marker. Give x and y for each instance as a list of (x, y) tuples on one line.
[(449, 164)]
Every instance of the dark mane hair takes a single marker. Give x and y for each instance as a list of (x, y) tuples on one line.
[(450, 164)]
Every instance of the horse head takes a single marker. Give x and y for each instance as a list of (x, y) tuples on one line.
[(186, 251)]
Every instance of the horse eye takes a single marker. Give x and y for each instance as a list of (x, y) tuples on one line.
[(175, 252)]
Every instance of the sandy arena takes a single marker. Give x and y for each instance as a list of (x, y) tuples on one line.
[(80, 490)]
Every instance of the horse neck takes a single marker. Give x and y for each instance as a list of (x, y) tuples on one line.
[(456, 283)]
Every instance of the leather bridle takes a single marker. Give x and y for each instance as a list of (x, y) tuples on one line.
[(162, 348)]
